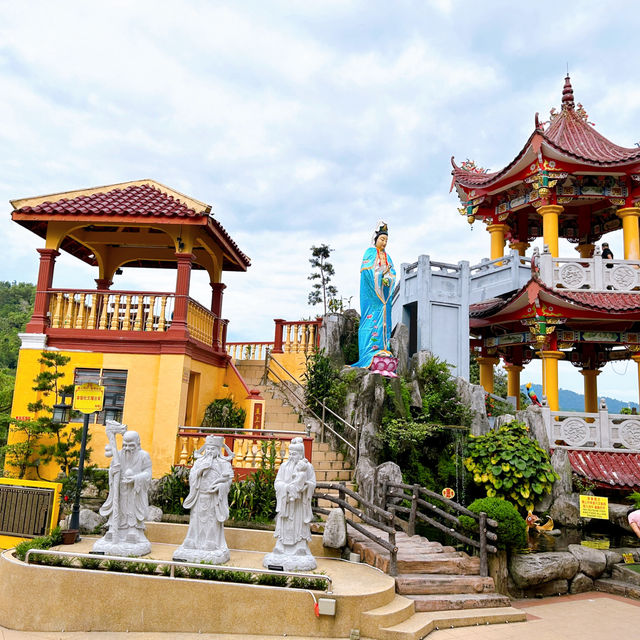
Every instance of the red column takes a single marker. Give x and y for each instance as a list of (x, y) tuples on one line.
[(277, 341), (217, 290), (183, 279), (39, 321), (103, 284)]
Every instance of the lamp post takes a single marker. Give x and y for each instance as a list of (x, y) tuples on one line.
[(87, 398)]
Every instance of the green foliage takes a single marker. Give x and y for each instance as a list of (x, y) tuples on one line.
[(254, 499), (115, 565), (171, 490), (349, 342), (223, 413), (581, 484), (90, 563), (271, 580), (323, 380), (512, 528), (321, 290), (635, 498), (510, 465), (16, 306), (417, 439), (315, 584), (495, 408), (7, 383), (65, 448), (40, 542)]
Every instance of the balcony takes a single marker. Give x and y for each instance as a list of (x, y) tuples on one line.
[(130, 315)]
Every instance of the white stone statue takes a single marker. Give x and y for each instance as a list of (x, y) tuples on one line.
[(209, 482), (295, 484), (128, 500)]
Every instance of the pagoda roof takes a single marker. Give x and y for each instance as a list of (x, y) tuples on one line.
[(569, 137), (590, 304), (613, 470), (138, 202)]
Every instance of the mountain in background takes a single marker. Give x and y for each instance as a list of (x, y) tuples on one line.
[(571, 401)]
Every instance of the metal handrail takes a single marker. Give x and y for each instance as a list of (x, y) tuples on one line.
[(353, 447), (243, 431), (389, 529), (176, 563), (417, 491)]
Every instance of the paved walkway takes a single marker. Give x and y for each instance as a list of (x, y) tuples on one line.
[(588, 616)]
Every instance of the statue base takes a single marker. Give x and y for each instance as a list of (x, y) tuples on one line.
[(131, 545), (290, 562), (210, 556), (384, 364)]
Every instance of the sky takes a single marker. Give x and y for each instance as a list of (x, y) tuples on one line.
[(301, 123)]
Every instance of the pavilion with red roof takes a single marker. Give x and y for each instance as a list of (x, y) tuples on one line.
[(160, 354)]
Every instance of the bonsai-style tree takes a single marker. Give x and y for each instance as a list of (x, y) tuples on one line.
[(65, 448), (321, 290)]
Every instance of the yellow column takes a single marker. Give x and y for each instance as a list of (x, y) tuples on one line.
[(549, 213), (521, 246), (630, 232), (550, 377), (513, 381), (486, 372), (636, 359), (497, 232), (585, 250), (590, 389)]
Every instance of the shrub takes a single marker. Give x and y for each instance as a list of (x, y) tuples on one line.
[(223, 413), (512, 528), (90, 563), (41, 542), (315, 584), (171, 490), (270, 580), (510, 465)]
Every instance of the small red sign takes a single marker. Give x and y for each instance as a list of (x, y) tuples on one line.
[(448, 493), (257, 415)]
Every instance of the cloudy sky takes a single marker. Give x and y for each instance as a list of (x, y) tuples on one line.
[(300, 123)]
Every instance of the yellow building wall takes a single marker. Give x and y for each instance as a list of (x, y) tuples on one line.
[(155, 404), (294, 363)]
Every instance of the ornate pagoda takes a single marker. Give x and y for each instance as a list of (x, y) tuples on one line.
[(568, 181)]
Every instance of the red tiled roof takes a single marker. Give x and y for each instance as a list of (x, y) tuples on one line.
[(570, 134), (138, 200), (608, 469), (614, 301)]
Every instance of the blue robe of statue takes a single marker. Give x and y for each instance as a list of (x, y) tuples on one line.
[(376, 290)]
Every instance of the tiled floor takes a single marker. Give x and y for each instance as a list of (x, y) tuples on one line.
[(589, 616)]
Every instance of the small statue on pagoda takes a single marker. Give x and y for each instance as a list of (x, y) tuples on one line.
[(377, 280)]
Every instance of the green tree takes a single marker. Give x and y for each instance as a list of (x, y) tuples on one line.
[(321, 290), (7, 382), (16, 305), (65, 448)]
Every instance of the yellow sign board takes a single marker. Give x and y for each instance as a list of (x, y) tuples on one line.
[(628, 558), (596, 544), (88, 397), (594, 507)]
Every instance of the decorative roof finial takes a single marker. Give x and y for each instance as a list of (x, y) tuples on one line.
[(567, 95)]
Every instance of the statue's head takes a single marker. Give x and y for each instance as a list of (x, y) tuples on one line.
[(296, 449), (213, 444), (381, 235), (130, 442)]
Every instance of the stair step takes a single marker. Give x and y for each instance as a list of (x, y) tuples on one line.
[(455, 601), (441, 563), (431, 584), (390, 614)]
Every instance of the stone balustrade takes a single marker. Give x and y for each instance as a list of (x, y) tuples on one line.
[(597, 431), (589, 274)]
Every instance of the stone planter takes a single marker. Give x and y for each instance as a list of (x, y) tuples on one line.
[(69, 536)]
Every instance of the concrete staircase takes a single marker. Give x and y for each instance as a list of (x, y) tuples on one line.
[(279, 415), (437, 587)]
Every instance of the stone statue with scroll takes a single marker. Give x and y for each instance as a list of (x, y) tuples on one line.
[(209, 482), (295, 484), (128, 501)]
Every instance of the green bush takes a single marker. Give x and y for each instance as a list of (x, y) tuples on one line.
[(510, 465), (223, 413), (41, 542), (271, 580), (512, 528), (315, 584), (171, 490)]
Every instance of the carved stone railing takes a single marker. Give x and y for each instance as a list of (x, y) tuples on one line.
[(492, 278), (602, 430), (589, 274), (250, 449), (110, 310)]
